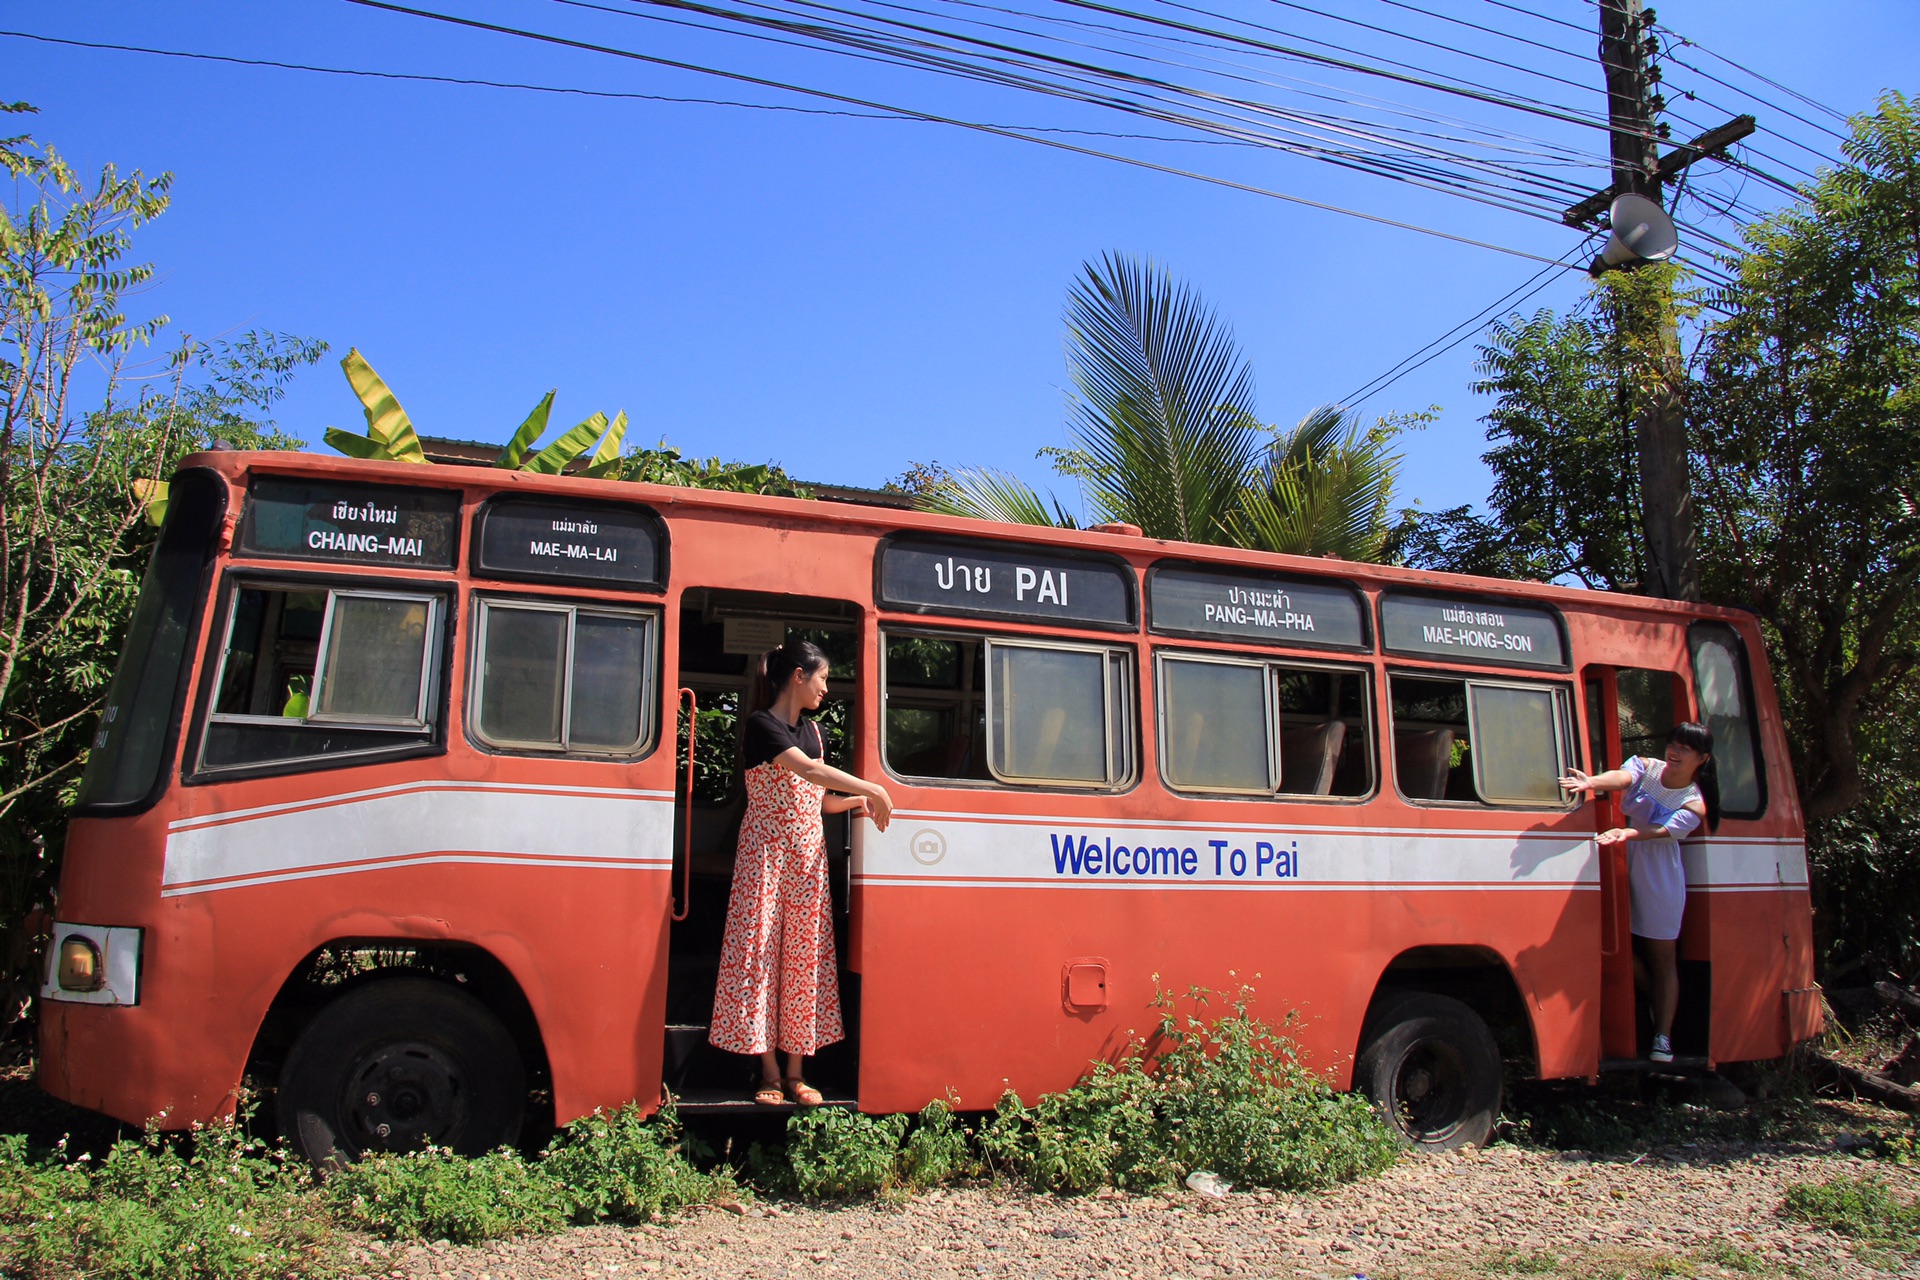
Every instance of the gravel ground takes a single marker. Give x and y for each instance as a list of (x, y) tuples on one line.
[(1703, 1211)]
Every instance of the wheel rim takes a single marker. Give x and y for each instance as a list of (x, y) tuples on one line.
[(402, 1097), (1430, 1090)]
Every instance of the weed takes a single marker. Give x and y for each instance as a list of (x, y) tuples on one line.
[(435, 1195), (834, 1152), (1524, 1262), (936, 1149), (215, 1206), (1862, 1207), (1729, 1256), (1229, 1096), (623, 1168)]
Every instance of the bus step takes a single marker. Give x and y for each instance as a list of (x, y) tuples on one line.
[(740, 1101), (1683, 1064)]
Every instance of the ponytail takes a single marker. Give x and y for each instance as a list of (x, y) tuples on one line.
[(776, 667), (1695, 735)]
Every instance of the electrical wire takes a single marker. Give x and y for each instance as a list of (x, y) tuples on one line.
[(994, 130), (1461, 332)]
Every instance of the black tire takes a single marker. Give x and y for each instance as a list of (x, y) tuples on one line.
[(1433, 1070), (396, 1065)]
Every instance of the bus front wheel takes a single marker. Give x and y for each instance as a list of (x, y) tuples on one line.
[(1432, 1068), (400, 1064)]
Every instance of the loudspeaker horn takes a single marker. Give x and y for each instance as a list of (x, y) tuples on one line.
[(1642, 232)]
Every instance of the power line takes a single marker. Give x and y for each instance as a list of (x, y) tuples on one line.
[(1461, 332), (994, 130)]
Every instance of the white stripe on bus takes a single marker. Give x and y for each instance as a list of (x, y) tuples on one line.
[(437, 821), (403, 788), (661, 865)]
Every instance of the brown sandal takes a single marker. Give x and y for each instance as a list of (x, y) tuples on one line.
[(770, 1094), (802, 1094)]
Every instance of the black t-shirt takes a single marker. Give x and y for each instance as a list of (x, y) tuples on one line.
[(768, 735)]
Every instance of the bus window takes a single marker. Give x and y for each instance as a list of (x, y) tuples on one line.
[(556, 677), (125, 759), (936, 717), (310, 674), (1720, 682), (1058, 713), (1261, 728), (1646, 710), (1479, 741), (1214, 719)]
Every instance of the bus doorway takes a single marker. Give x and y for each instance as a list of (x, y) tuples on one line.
[(1629, 711), (722, 637)]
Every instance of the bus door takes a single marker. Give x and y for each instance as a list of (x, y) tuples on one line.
[(722, 637), (1629, 711)]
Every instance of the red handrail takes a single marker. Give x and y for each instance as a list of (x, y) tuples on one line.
[(686, 871)]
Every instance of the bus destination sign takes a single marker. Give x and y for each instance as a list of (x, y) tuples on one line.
[(351, 523), (1245, 606), (1471, 630), (611, 546), (1005, 580)]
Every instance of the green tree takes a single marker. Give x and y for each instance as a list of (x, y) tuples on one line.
[(1804, 417), (1807, 444), (79, 435), (1164, 435)]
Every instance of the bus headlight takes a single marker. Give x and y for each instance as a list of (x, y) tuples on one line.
[(93, 964), (80, 966)]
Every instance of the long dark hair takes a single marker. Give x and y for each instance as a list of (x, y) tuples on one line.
[(1695, 735), (776, 668)]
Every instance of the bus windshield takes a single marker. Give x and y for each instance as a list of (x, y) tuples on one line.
[(129, 748)]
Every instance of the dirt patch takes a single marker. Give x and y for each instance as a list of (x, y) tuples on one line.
[(1503, 1211)]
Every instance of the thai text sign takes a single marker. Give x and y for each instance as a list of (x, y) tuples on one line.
[(1471, 630), (1005, 580), (1252, 607), (604, 545), (351, 523)]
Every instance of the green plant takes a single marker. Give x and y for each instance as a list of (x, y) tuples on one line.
[(1729, 1256), (936, 1150), (436, 1195), (623, 1168), (836, 1153), (1863, 1207), (213, 1206), (1229, 1096)]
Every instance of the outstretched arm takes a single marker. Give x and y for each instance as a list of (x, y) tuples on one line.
[(1683, 823), (1611, 780), (822, 774)]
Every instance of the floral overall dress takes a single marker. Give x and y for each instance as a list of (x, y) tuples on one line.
[(779, 988)]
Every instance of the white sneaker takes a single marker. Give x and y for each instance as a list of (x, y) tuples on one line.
[(1662, 1050)]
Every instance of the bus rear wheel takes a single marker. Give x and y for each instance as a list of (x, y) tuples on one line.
[(400, 1064), (1432, 1068)]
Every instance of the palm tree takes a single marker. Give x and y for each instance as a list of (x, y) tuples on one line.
[(1165, 436)]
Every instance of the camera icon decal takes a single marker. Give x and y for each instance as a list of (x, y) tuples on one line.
[(927, 846)]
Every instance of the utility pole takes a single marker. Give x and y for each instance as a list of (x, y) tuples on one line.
[(1666, 497)]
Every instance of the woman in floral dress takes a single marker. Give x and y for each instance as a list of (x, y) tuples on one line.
[(779, 987)]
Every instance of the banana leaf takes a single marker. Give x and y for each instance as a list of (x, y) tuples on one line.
[(387, 423), (152, 495), (354, 446), (606, 459), (531, 430), (553, 459)]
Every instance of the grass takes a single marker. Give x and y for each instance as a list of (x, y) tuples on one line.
[(1717, 1259), (1226, 1094)]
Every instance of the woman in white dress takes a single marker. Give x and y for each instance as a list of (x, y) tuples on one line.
[(1666, 800)]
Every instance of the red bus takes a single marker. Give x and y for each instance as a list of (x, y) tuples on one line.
[(385, 810)]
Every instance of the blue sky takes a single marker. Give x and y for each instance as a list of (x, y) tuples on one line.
[(842, 295)]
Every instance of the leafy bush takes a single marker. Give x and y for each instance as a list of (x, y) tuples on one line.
[(936, 1149), (217, 1206), (1229, 1096), (834, 1152), (623, 1168), (436, 1195), (1863, 1207)]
